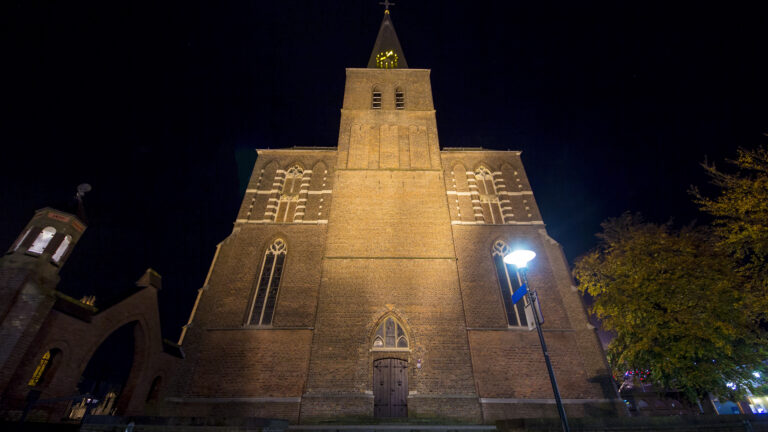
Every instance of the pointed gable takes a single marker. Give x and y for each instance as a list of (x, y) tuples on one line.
[(387, 52)]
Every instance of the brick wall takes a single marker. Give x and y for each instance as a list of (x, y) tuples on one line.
[(77, 341), (406, 235)]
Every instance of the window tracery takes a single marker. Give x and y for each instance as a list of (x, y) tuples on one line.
[(390, 335), (289, 194), (488, 196), (267, 284)]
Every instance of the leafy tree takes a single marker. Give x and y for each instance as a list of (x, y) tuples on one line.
[(675, 304), (741, 220)]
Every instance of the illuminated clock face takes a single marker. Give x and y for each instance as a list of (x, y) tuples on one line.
[(386, 59)]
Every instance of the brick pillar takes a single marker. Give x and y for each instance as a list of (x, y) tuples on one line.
[(26, 315)]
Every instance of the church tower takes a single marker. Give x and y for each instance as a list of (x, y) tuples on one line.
[(366, 279), (390, 329), (29, 274)]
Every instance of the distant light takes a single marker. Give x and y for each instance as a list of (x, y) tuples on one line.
[(731, 385), (756, 374), (520, 257)]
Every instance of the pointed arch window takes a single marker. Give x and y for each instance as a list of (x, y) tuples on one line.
[(267, 284), (484, 179), (399, 98), (489, 198), (42, 240), (154, 389), (44, 367), (376, 98), (509, 282), (289, 195), (390, 335)]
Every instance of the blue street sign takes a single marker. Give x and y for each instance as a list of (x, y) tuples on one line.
[(519, 293)]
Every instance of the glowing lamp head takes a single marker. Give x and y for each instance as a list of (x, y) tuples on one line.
[(520, 257)]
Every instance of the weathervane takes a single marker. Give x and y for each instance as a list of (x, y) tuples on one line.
[(386, 4), (82, 190)]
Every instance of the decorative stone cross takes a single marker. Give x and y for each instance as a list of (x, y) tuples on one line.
[(386, 4)]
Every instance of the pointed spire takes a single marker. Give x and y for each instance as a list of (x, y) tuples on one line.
[(387, 52)]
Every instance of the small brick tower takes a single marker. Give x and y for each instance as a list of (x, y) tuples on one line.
[(366, 279), (29, 274)]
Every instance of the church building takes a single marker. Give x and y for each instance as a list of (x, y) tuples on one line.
[(366, 279)]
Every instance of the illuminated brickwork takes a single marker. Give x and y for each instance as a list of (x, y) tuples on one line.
[(390, 225)]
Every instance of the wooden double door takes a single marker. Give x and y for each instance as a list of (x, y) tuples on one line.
[(390, 388)]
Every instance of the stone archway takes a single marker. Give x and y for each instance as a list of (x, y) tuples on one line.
[(111, 371), (78, 329)]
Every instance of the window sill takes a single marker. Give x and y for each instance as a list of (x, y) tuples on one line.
[(390, 350), (254, 327), (508, 328)]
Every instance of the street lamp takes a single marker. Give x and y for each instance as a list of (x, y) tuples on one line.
[(520, 259)]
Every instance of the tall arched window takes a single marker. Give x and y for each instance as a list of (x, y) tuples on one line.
[(44, 368), (265, 295), (376, 98), (289, 195), (390, 335), (509, 282), (42, 240), (489, 198), (62, 249), (154, 389), (20, 240)]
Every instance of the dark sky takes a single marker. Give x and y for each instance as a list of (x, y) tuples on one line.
[(159, 106)]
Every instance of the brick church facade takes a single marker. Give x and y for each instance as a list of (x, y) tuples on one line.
[(365, 280)]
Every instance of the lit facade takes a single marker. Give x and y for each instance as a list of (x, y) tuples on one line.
[(366, 279)]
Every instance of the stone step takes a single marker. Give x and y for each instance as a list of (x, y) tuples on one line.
[(395, 427), (231, 424)]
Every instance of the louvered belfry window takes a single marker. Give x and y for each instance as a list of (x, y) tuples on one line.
[(265, 295), (399, 99), (376, 99)]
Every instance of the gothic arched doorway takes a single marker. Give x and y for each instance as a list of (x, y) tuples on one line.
[(390, 388)]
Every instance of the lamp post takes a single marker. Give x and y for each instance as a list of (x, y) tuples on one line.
[(520, 259)]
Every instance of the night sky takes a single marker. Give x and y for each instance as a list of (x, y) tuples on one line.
[(160, 105)]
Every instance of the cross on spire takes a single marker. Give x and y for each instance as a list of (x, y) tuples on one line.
[(387, 52), (386, 4)]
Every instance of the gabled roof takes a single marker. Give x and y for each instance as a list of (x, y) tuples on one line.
[(387, 41)]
